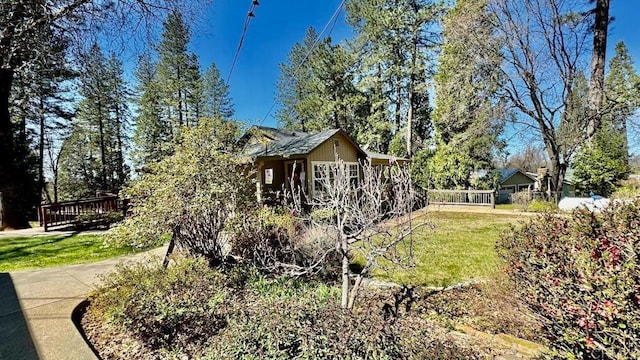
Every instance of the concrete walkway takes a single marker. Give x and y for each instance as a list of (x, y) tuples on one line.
[(36, 307), (39, 231)]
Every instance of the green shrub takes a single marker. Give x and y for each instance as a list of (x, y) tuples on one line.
[(178, 307), (628, 190), (542, 206), (582, 276), (197, 194), (312, 325), (190, 311)]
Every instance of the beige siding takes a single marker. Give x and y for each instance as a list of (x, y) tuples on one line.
[(324, 152)]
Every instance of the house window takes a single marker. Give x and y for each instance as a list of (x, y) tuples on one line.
[(353, 175), (324, 172)]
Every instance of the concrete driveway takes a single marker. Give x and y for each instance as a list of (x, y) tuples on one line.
[(36, 308)]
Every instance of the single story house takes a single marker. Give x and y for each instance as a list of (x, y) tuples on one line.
[(514, 180), (281, 155)]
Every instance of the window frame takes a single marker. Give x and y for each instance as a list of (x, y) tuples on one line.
[(350, 164)]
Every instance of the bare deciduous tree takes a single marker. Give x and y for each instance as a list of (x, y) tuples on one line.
[(544, 47), (528, 159), (368, 211)]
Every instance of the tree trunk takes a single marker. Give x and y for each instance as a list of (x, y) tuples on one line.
[(409, 123), (120, 165), (13, 216), (398, 106), (41, 183), (412, 79), (180, 116), (344, 248), (598, 58), (103, 152)]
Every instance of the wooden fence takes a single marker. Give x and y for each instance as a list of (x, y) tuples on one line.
[(82, 212), (462, 197)]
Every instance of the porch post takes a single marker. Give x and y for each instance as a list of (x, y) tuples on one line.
[(259, 182)]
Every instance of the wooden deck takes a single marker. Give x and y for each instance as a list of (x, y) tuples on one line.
[(96, 211)]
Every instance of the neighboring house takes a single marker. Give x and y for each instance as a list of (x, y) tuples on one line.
[(281, 155), (514, 180)]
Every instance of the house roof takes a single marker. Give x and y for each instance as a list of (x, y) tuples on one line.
[(384, 157), (506, 174), (285, 143)]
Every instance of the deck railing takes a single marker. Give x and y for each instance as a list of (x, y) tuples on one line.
[(462, 197), (81, 212)]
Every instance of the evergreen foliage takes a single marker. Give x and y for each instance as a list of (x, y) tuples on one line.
[(175, 70), (218, 102), (622, 92), (468, 116), (395, 43), (599, 168), (152, 132), (92, 158)]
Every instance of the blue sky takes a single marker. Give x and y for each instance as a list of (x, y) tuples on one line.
[(278, 25), (281, 23)]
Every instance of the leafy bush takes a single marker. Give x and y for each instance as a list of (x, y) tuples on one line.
[(197, 194), (600, 167), (582, 276), (629, 189), (178, 307), (190, 311), (309, 323), (542, 206)]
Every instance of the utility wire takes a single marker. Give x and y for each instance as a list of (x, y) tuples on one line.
[(247, 20), (331, 22)]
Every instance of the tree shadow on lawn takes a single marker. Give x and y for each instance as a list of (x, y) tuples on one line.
[(29, 246)]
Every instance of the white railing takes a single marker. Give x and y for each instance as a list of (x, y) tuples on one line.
[(462, 197)]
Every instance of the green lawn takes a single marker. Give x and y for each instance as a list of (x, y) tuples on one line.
[(460, 247), (44, 251), (506, 206)]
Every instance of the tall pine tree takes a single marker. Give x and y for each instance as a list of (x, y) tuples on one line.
[(467, 116), (152, 136), (93, 154), (218, 102), (176, 72), (296, 94), (396, 40), (622, 92)]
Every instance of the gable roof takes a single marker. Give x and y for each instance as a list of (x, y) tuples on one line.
[(279, 142), (506, 174)]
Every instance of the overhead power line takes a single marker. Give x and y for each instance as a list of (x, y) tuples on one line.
[(329, 26), (247, 20)]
